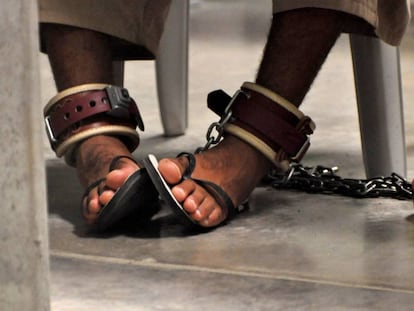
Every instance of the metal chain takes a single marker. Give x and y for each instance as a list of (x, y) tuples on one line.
[(323, 180), (213, 139), (216, 129)]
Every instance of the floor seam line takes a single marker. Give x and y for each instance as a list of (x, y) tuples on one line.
[(177, 267)]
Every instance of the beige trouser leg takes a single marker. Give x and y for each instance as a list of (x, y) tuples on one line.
[(389, 18)]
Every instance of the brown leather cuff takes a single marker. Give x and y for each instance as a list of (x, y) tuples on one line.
[(88, 110), (278, 126)]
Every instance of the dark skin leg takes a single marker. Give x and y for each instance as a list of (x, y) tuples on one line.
[(78, 57), (298, 44)]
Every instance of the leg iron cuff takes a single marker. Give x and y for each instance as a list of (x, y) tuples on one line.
[(266, 121), (88, 110)]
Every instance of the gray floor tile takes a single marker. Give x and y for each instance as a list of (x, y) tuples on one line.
[(90, 284)]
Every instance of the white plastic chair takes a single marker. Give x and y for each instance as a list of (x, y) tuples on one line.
[(171, 70), (380, 104)]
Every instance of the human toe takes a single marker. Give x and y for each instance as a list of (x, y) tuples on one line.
[(204, 209), (214, 218), (183, 190), (91, 208), (117, 178), (194, 201), (171, 169)]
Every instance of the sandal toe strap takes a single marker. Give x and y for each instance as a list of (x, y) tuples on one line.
[(221, 197), (91, 186), (115, 161)]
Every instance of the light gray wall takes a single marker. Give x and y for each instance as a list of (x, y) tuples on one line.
[(23, 231)]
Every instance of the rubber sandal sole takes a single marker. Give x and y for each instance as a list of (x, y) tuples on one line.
[(137, 197), (164, 190)]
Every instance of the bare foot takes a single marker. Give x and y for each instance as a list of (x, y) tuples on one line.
[(93, 161), (233, 165)]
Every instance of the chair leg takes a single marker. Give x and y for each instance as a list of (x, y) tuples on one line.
[(118, 67), (172, 70), (380, 104)]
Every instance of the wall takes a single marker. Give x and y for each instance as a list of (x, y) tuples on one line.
[(23, 231)]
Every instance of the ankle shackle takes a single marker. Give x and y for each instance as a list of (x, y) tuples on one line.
[(267, 121), (81, 112)]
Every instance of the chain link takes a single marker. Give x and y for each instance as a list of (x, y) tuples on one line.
[(324, 180), (216, 129)]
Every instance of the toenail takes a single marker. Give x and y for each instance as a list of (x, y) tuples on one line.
[(197, 214), (178, 192)]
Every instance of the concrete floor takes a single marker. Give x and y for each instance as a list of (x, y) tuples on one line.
[(290, 251)]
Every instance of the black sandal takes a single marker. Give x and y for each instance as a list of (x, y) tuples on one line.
[(137, 197), (222, 198)]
